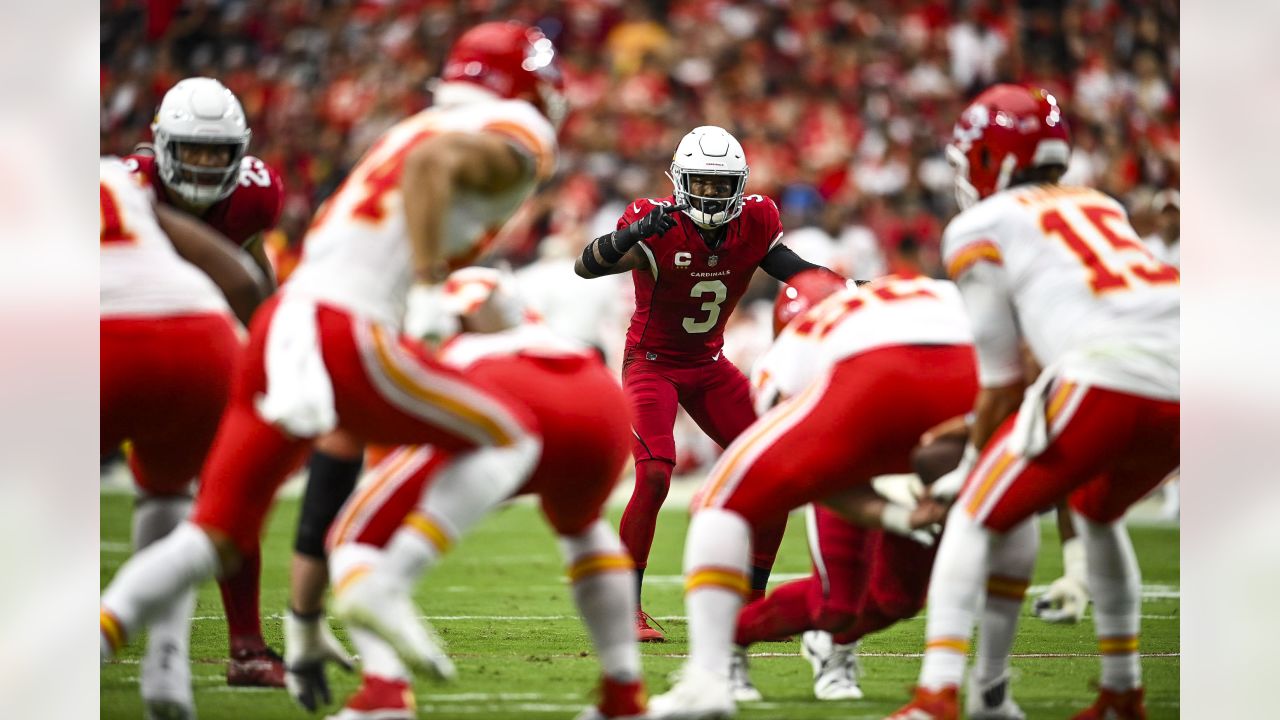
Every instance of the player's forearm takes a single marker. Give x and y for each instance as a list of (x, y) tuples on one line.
[(607, 255), (240, 281), (994, 406), (427, 187), (782, 263), (256, 247)]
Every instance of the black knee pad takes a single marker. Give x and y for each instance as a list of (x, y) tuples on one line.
[(329, 483)]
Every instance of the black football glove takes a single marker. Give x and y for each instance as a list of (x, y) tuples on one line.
[(658, 221)]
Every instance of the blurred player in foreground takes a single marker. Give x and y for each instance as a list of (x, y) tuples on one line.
[(691, 256), (863, 580), (887, 361), (583, 418), (1061, 268), (169, 348), (326, 353), (198, 165)]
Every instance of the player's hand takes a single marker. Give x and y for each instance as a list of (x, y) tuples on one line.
[(1067, 598), (658, 221), (1064, 602), (308, 645)]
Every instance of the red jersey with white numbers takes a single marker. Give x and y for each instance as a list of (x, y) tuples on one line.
[(252, 208), (686, 296)]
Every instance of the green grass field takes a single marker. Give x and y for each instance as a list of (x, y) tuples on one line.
[(501, 604)]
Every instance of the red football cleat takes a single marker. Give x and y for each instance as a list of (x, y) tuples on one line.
[(618, 700), (646, 632), (930, 705), (255, 667), (379, 699), (1115, 705)]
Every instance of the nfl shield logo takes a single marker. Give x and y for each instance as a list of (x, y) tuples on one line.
[(711, 261)]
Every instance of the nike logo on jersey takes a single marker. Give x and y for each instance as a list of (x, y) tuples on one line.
[(635, 208), (716, 356)]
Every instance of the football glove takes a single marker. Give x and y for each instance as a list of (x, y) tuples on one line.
[(308, 645), (1067, 597), (658, 221)]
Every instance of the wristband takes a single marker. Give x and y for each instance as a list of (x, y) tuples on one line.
[(1074, 563)]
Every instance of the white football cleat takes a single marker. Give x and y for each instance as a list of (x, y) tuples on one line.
[(383, 607), (166, 683), (696, 695), (740, 678), (835, 667), (991, 701)]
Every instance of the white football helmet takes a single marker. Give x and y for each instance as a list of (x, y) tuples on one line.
[(200, 111), (709, 150)]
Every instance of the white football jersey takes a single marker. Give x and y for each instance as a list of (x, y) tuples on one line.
[(892, 310), (1088, 297), (357, 251), (141, 273)]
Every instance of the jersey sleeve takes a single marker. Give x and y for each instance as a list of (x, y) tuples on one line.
[(969, 240), (529, 132), (985, 289), (770, 221), (262, 192)]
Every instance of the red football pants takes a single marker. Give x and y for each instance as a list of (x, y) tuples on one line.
[(718, 398), (1107, 450), (387, 389), (165, 384), (585, 425), (860, 421)]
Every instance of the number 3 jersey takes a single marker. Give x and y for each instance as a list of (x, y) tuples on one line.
[(1062, 268), (253, 207), (685, 297)]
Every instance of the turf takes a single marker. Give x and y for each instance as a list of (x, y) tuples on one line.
[(501, 604)]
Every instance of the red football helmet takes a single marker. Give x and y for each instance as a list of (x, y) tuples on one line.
[(803, 291), (512, 60), (1005, 129)]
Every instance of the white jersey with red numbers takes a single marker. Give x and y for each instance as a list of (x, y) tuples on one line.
[(141, 273), (893, 310), (357, 252), (1062, 268)]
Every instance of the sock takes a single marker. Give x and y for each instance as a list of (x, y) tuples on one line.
[(376, 656), (765, 541), (1013, 557), (153, 580), (653, 480), (955, 588), (1115, 584), (165, 669), (462, 493), (715, 572), (330, 481), (600, 571), (779, 615), (349, 560), (639, 585), (240, 593)]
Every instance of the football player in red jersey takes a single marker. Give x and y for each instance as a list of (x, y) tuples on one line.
[(200, 167), (692, 255)]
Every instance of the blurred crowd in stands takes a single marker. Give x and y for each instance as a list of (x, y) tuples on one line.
[(842, 106)]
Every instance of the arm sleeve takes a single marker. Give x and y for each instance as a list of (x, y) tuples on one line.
[(985, 289), (782, 262)]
